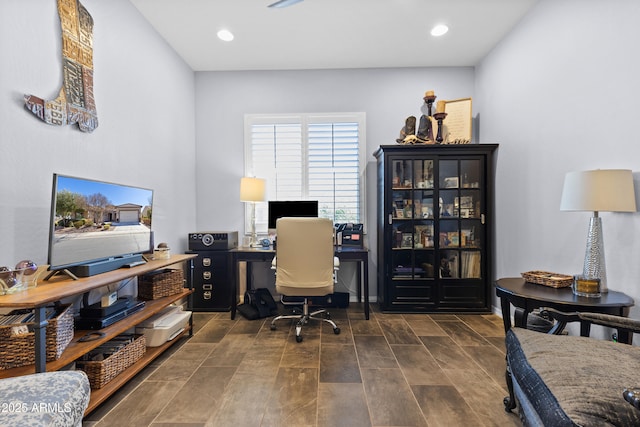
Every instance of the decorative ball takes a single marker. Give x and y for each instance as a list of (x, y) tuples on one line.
[(5, 273), (28, 267)]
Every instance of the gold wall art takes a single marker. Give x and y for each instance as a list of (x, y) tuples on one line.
[(75, 102)]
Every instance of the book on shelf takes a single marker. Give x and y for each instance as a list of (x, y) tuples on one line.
[(471, 264)]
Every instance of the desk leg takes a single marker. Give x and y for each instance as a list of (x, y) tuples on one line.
[(365, 266), (233, 269), (359, 281)]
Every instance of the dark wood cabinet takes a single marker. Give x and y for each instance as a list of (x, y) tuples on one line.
[(435, 227), (211, 281)]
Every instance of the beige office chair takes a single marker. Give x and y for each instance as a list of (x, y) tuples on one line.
[(305, 266)]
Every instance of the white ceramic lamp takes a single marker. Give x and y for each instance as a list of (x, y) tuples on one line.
[(601, 190)]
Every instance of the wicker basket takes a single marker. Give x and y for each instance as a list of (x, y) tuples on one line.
[(103, 371), (553, 280), (160, 283), (18, 349)]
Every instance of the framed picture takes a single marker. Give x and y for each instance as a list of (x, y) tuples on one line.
[(407, 240), (451, 182), (466, 202), (424, 235), (457, 125)]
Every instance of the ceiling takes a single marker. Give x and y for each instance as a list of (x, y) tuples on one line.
[(325, 34)]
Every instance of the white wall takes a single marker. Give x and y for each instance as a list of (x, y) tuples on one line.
[(145, 104), (560, 93), (387, 96)]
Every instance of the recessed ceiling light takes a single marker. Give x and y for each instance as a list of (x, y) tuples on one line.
[(439, 30), (225, 35)]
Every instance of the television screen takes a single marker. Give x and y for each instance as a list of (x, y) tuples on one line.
[(280, 208), (93, 221)]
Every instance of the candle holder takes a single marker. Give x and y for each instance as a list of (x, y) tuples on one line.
[(429, 101), (439, 117)]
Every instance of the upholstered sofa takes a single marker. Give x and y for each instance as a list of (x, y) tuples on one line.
[(560, 380), (44, 399)]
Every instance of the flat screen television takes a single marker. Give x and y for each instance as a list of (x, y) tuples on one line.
[(287, 208), (97, 226)]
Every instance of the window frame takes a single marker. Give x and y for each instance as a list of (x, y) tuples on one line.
[(304, 119)]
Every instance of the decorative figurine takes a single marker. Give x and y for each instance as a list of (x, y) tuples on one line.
[(407, 133), (425, 130)]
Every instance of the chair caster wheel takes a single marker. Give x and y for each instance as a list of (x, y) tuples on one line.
[(298, 338), (336, 331), (327, 316), (273, 327)]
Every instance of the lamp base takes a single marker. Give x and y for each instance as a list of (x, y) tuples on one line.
[(594, 264)]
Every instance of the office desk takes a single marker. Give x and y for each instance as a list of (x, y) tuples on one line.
[(344, 253)]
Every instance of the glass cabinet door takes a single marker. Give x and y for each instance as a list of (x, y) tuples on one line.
[(412, 219), (460, 219)]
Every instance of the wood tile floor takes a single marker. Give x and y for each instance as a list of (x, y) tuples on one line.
[(392, 370)]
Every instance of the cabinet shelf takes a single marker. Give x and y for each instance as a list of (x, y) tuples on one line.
[(76, 348), (59, 288), (98, 396)]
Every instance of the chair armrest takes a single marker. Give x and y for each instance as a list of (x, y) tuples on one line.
[(560, 316), (618, 322), (626, 327)]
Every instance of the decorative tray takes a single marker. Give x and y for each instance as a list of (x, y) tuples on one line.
[(553, 280)]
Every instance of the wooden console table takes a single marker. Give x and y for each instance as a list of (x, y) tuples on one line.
[(59, 288)]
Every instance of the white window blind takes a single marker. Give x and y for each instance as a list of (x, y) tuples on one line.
[(308, 157)]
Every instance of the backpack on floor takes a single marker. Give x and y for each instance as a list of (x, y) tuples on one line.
[(258, 304)]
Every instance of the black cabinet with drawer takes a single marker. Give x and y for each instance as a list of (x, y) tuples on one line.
[(211, 281), (435, 227)]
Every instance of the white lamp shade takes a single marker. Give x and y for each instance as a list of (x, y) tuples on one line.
[(252, 189), (601, 190)]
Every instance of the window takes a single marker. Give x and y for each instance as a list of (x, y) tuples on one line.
[(308, 157)]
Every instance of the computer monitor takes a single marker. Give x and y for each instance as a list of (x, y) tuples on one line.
[(288, 208)]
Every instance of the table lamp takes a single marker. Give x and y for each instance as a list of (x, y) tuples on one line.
[(252, 190), (608, 190)]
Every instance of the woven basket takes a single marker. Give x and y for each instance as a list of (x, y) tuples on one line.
[(553, 280), (103, 371), (160, 283), (19, 349)]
